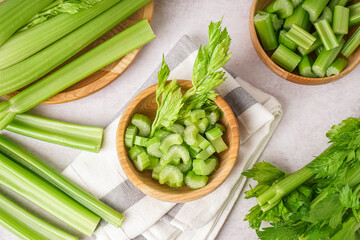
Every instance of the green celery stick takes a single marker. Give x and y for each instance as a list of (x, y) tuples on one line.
[(305, 67), (326, 34), (88, 63), (334, 3), (265, 31), (276, 21), (354, 18), (327, 14), (352, 44), (300, 17), (313, 47), (314, 8), (284, 40), (336, 67), (300, 36), (296, 3), (283, 8), (341, 20), (286, 58)]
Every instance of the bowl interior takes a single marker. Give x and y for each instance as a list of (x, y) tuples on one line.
[(145, 104), (353, 60)]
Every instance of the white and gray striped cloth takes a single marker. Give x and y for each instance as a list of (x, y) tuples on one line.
[(258, 115)]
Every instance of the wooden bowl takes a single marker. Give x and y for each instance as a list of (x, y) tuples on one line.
[(145, 103), (108, 74), (353, 60)]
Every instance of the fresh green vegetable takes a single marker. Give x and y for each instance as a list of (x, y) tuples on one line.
[(313, 47), (156, 171), (203, 143), (287, 42), (341, 20), (152, 147), (305, 67), (205, 167), (283, 8), (185, 167), (154, 161), (326, 58), (46, 196), (27, 226), (190, 135), (296, 3), (130, 134), (176, 128), (221, 127), (334, 3), (336, 67), (161, 134), (194, 181), (326, 15), (197, 114), (214, 133), (86, 64), (286, 58), (29, 161), (143, 123), (314, 8), (67, 134), (300, 17), (206, 153), (142, 161), (354, 18), (140, 141), (176, 152), (135, 151), (202, 124), (265, 31), (275, 20), (173, 139), (351, 44), (300, 36), (213, 117), (30, 69), (326, 34), (219, 144), (15, 13), (172, 176)]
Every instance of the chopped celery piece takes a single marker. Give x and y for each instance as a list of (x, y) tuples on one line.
[(300, 17), (185, 167), (154, 161), (135, 151), (143, 123), (152, 147), (341, 20), (76, 70), (283, 8), (213, 117), (188, 122), (162, 134), (354, 18), (326, 58), (203, 143), (276, 21), (29, 161), (205, 167), (46, 196), (286, 58), (202, 124), (305, 67), (194, 181), (219, 144), (196, 115), (172, 176), (326, 15), (300, 36), (214, 133), (142, 161), (287, 42), (206, 153), (175, 162), (27, 226), (336, 67), (194, 151), (334, 3), (313, 47), (314, 8), (67, 134), (140, 141), (265, 31), (172, 139), (156, 171), (15, 13), (296, 3), (176, 128), (319, 50), (351, 44), (221, 127), (190, 134), (176, 152), (130, 134)]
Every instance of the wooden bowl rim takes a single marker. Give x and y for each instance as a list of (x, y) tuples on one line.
[(174, 196), (282, 72)]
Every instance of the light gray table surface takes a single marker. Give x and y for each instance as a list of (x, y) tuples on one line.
[(309, 111)]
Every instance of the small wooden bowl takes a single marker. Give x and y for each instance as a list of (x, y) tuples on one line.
[(353, 60), (145, 103)]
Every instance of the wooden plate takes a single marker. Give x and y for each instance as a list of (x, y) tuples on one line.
[(145, 103), (353, 60), (108, 74)]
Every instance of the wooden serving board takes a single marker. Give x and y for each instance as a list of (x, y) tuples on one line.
[(108, 74)]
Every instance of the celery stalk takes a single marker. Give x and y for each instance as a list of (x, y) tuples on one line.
[(29, 161), (300, 17), (314, 8), (354, 18), (326, 14), (283, 8), (300, 36), (286, 58), (30, 69), (313, 47), (352, 44), (46, 196), (71, 135), (27, 226), (305, 67), (25, 43), (88, 63), (284, 40), (334, 3), (265, 31), (15, 13), (341, 20), (336, 67), (326, 34)]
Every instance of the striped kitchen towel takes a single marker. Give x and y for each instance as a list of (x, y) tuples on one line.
[(257, 113)]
